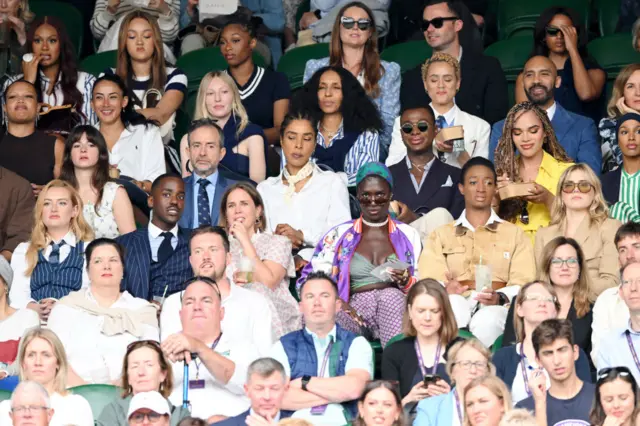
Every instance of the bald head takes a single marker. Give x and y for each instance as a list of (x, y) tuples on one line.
[(540, 78)]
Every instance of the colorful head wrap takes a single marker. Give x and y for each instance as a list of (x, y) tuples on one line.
[(374, 169)]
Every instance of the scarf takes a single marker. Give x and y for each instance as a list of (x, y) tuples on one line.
[(302, 174)]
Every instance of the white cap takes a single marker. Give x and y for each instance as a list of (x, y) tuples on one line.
[(152, 401)]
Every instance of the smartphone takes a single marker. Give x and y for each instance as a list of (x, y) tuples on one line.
[(431, 379)]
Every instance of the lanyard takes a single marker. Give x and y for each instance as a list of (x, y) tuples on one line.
[(458, 408), (327, 352), (632, 349), (195, 361), (524, 370), (421, 361)]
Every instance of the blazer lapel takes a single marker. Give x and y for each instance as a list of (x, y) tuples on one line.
[(583, 232), (145, 255), (187, 220), (221, 186), (562, 122), (434, 180)]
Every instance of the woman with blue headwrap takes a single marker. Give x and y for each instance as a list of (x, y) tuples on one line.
[(351, 252), (621, 187)]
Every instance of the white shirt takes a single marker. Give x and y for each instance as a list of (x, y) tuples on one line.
[(217, 398), (609, 313), (518, 389), (360, 357), (247, 318), (552, 111), (14, 326), (155, 239), (462, 220), (94, 356), (20, 293), (321, 204), (449, 116), (139, 153), (69, 409)]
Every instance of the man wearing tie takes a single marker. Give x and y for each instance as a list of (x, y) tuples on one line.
[(204, 188), (157, 257)]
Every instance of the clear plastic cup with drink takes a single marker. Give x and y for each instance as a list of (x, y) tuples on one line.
[(483, 276), (244, 271)]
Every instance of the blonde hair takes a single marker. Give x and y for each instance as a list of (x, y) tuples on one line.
[(449, 328), (496, 386), (441, 57), (518, 321), (618, 86), (60, 381), (237, 109), (294, 422), (518, 417), (598, 211), (40, 238), (472, 343)]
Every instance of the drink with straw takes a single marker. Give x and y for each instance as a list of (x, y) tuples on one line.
[(483, 276)]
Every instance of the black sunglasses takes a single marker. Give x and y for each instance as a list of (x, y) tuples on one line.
[(348, 23), (407, 128), (613, 371), (552, 31), (436, 22)]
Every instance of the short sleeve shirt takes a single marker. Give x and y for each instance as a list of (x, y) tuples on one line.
[(566, 412)]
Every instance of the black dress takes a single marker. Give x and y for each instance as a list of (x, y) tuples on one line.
[(32, 157)]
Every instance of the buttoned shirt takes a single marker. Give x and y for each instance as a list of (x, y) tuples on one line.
[(155, 239), (211, 193), (618, 351), (449, 116), (551, 111), (417, 185)]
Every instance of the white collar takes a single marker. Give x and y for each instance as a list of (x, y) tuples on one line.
[(460, 55), (69, 239), (449, 116), (155, 232), (315, 337), (462, 220), (551, 111)]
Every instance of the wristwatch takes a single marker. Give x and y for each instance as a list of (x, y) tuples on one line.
[(305, 382)]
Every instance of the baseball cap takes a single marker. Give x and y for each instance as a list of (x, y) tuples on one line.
[(152, 401)]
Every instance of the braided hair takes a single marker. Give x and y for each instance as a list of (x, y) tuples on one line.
[(506, 160)]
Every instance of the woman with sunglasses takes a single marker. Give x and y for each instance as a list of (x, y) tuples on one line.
[(540, 160), (354, 46), (516, 363), (372, 303), (560, 35), (467, 361), (145, 369), (581, 213), (380, 405), (617, 398), (86, 322)]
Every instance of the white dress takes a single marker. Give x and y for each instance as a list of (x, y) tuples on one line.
[(103, 222)]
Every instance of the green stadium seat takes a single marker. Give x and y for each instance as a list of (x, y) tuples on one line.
[(497, 344), (293, 63), (512, 54), (608, 14), (519, 17), (465, 334), (98, 396), (67, 13), (408, 55), (394, 339), (5, 395), (613, 53), (96, 64)]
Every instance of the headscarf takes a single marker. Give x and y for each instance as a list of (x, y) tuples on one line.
[(374, 169), (626, 117)]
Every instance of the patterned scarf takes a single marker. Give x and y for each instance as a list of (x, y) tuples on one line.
[(302, 174)]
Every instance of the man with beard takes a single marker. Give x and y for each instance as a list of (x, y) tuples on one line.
[(577, 134)]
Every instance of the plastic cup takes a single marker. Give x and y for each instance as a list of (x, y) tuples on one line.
[(483, 277)]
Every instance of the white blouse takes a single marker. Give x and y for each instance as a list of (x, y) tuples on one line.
[(68, 409), (139, 153)]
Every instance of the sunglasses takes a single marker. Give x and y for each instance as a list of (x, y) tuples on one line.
[(613, 371), (407, 128), (348, 23), (552, 31), (583, 186), (142, 343), (436, 22)]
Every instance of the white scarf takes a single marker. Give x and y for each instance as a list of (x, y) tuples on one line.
[(302, 174)]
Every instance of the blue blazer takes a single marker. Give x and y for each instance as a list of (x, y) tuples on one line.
[(436, 411), (187, 220), (240, 419), (577, 135)]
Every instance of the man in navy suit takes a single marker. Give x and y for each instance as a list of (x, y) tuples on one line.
[(205, 187), (266, 386), (157, 257), (577, 134)]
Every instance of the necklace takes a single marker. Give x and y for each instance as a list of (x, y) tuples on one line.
[(420, 167), (376, 225), (329, 134)]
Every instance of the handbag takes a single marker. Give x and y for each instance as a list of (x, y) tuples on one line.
[(59, 120)]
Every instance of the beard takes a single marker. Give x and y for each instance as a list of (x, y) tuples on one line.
[(539, 100)]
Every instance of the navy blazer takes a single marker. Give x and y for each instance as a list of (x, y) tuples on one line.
[(188, 220), (137, 262), (611, 185), (240, 419), (577, 135)]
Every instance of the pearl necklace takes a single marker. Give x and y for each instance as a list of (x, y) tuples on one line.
[(376, 225)]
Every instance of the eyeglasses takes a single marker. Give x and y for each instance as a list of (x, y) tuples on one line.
[(552, 31), (571, 262), (27, 409), (436, 22), (348, 23), (613, 371), (407, 128), (535, 297), (479, 365), (629, 282), (570, 186), (138, 418)]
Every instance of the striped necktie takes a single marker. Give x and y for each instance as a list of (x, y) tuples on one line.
[(54, 257)]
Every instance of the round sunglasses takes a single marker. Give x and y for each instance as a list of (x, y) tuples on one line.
[(422, 126), (570, 186), (348, 23)]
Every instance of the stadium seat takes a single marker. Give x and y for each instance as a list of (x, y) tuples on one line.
[(67, 13), (408, 55), (395, 339), (4, 395), (497, 344), (512, 54), (519, 17), (465, 334), (613, 53), (293, 62), (96, 64), (98, 396), (608, 13)]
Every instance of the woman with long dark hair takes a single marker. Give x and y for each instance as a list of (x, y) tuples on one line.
[(52, 67), (616, 401), (348, 121), (380, 405), (561, 36), (106, 206), (354, 47)]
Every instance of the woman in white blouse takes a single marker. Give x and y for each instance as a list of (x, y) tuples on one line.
[(85, 165), (42, 359), (96, 324), (303, 202), (134, 143)]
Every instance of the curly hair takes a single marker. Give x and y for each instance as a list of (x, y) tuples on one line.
[(540, 31), (359, 113), (506, 160), (441, 57)]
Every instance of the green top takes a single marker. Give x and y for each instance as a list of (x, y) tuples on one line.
[(627, 207), (115, 414), (361, 269)]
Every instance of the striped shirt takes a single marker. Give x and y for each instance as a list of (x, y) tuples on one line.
[(103, 19), (56, 98), (628, 207), (176, 80)]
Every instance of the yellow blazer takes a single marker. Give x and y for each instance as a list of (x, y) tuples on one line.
[(596, 241)]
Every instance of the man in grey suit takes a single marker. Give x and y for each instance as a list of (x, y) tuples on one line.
[(205, 187)]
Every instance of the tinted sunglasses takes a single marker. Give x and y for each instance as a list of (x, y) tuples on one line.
[(436, 22), (407, 128), (552, 31), (583, 186), (348, 23)]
